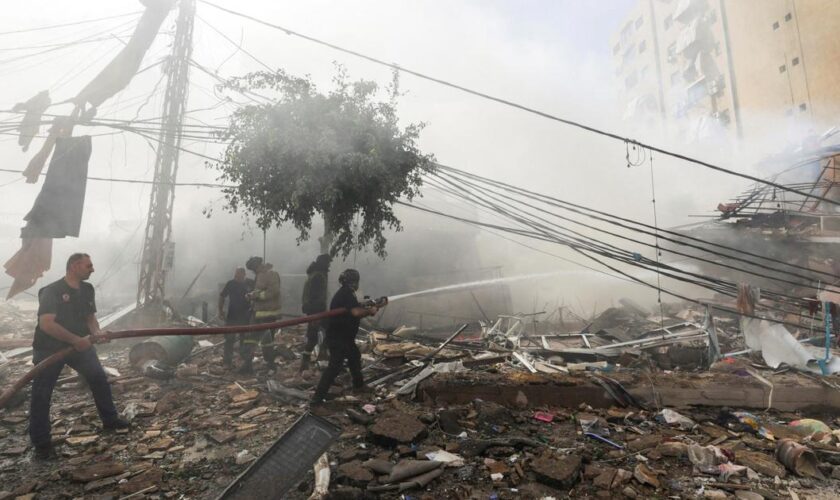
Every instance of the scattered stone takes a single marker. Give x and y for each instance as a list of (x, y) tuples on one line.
[(246, 396), (448, 421), (394, 428), (644, 443), (98, 471), (222, 437), (13, 451), (162, 444), (81, 440), (748, 495), (605, 479), (629, 492), (354, 473), (151, 478), (559, 472), (760, 463), (621, 477), (716, 494), (672, 449), (645, 475), (256, 412)]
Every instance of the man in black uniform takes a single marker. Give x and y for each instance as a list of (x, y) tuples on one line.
[(238, 312), (67, 317), (341, 336), (314, 301)]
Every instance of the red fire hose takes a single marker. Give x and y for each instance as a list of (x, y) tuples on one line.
[(157, 332)]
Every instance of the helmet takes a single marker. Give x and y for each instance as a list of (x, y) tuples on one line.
[(254, 263), (349, 276)]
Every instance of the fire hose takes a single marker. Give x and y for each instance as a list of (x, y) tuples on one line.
[(59, 356)]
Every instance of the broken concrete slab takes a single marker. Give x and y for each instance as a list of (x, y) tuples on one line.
[(97, 471), (557, 471), (393, 428)]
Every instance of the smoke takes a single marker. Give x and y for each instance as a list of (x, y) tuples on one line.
[(518, 54)]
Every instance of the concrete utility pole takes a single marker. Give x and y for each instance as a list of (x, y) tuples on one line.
[(157, 247)]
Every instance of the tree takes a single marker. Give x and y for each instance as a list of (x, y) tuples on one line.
[(341, 154)]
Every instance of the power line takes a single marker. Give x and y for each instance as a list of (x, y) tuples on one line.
[(135, 181), (522, 107), (76, 23), (608, 217)]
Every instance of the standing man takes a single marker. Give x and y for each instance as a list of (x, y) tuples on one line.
[(341, 336), (314, 301), (67, 317), (265, 302), (238, 312)]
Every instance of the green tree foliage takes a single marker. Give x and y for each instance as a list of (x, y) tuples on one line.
[(340, 154)]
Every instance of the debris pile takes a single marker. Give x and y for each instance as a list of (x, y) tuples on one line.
[(629, 405)]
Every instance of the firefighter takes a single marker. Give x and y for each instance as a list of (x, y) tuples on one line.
[(238, 311), (314, 301), (265, 303), (341, 336)]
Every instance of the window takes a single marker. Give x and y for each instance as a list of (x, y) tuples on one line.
[(668, 21), (631, 81), (639, 23), (672, 53), (795, 61), (642, 46), (775, 25), (644, 74), (788, 16), (782, 68), (616, 49), (675, 77), (803, 107)]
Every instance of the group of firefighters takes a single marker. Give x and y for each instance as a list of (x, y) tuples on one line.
[(67, 317)]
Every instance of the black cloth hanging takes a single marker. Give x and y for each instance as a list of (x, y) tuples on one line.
[(58, 208)]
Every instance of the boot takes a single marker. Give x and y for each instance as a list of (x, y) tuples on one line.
[(247, 367), (304, 362)]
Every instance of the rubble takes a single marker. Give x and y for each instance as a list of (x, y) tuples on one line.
[(593, 421)]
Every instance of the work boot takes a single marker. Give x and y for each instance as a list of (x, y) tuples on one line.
[(304, 362), (247, 368), (117, 424), (44, 452)]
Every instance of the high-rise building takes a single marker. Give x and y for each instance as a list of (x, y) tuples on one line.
[(730, 69)]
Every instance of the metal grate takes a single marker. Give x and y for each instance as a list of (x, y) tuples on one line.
[(282, 467)]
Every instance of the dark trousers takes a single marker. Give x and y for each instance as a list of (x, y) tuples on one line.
[(311, 336), (87, 365), (230, 341), (265, 338), (339, 352)]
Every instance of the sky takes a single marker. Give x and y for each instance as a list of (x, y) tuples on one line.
[(552, 55)]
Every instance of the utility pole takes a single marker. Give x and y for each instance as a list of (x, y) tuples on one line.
[(158, 250)]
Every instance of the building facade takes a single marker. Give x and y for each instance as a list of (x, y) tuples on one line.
[(712, 70)]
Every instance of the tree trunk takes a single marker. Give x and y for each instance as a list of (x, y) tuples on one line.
[(327, 239)]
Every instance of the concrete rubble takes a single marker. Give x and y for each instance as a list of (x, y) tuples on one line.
[(629, 405)]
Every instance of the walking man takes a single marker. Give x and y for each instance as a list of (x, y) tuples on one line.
[(341, 336), (314, 301), (265, 302), (67, 317), (238, 312)]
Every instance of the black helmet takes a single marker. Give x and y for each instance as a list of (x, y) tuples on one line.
[(349, 276), (254, 263)]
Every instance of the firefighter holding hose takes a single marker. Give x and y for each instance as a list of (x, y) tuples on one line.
[(341, 336), (67, 317)]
